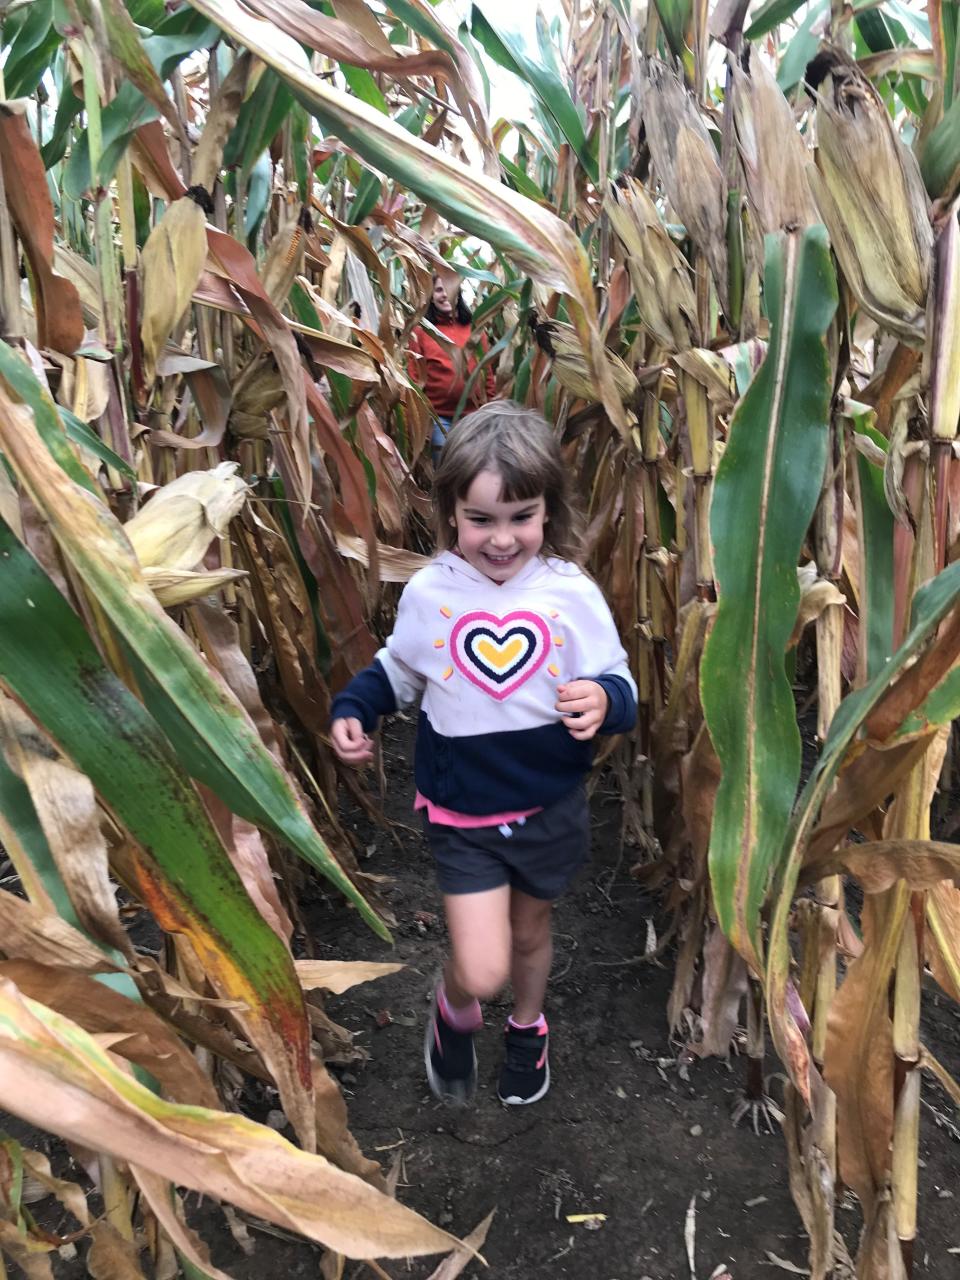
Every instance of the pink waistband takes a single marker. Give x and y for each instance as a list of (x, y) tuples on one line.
[(450, 818)]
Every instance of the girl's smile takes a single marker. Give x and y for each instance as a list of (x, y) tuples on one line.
[(498, 538)]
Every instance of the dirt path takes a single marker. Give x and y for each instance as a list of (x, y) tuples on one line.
[(620, 1132)]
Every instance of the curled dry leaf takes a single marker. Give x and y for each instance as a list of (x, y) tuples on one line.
[(66, 808), (338, 976), (45, 1059), (59, 319)]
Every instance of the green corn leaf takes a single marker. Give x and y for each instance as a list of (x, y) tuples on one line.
[(49, 663), (876, 551), (82, 433), (362, 84), (765, 493), (801, 49), (508, 50), (940, 159), (931, 604), (770, 15), (19, 377), (32, 50)]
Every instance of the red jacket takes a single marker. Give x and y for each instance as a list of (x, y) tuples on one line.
[(431, 367)]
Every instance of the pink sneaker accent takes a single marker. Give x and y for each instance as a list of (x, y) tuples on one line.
[(467, 1019)]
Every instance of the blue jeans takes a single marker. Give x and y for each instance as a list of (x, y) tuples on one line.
[(438, 436)]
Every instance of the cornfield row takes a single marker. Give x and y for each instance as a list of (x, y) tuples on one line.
[(723, 257)]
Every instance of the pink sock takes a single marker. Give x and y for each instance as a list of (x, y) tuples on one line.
[(539, 1025), (467, 1019)]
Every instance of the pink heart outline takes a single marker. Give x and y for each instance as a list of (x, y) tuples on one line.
[(500, 625)]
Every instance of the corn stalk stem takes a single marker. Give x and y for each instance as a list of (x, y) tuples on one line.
[(756, 1042), (116, 1201)]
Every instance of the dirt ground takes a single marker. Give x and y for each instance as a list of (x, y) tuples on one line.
[(620, 1133)]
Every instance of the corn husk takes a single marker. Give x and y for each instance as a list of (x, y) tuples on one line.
[(174, 529), (172, 260), (177, 586), (687, 164), (772, 153), (660, 275), (870, 194), (714, 375), (561, 343), (257, 392)]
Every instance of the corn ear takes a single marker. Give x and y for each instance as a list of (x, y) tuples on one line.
[(686, 161), (660, 274), (714, 375), (868, 189), (561, 343), (177, 586), (772, 153), (172, 261), (174, 529)]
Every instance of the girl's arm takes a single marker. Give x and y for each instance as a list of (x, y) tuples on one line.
[(388, 684)]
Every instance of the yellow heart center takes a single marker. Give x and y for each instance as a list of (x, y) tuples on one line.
[(500, 656)]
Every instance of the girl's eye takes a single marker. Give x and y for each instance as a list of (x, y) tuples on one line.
[(522, 519), (479, 520)]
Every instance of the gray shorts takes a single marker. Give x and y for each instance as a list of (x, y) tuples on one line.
[(539, 857)]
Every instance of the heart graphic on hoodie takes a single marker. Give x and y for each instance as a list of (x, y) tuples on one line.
[(498, 655)]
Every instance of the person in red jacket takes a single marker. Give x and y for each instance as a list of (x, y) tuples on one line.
[(432, 366)]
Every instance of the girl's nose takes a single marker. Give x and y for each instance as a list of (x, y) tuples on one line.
[(502, 538)]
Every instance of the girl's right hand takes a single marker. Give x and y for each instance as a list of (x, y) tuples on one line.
[(351, 744)]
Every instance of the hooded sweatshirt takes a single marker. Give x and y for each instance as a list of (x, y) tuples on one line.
[(487, 659), (431, 365)]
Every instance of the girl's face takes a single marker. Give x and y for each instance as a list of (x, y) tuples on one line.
[(440, 300), (496, 537)]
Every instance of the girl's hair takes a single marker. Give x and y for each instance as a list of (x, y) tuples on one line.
[(461, 311), (521, 447)]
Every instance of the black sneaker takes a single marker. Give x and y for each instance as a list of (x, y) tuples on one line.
[(525, 1075), (450, 1059)]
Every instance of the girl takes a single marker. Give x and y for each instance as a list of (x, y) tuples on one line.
[(520, 665), (432, 365)]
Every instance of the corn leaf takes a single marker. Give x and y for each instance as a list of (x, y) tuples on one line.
[(766, 490), (508, 50), (55, 1076), (205, 720), (876, 556), (49, 663), (931, 605)]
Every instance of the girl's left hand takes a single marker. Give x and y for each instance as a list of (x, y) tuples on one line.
[(589, 700)]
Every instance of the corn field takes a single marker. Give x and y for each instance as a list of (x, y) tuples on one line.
[(720, 252)]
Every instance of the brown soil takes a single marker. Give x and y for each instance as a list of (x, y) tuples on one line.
[(620, 1133)]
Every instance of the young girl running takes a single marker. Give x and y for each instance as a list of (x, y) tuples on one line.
[(519, 663)]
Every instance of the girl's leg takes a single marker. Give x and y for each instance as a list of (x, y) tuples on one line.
[(479, 927), (531, 954)]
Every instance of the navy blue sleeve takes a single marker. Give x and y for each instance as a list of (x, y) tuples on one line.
[(622, 711), (368, 696)]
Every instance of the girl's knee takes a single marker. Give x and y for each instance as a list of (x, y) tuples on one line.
[(481, 978), (531, 934)]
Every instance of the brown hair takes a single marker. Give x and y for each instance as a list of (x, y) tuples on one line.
[(521, 447)]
